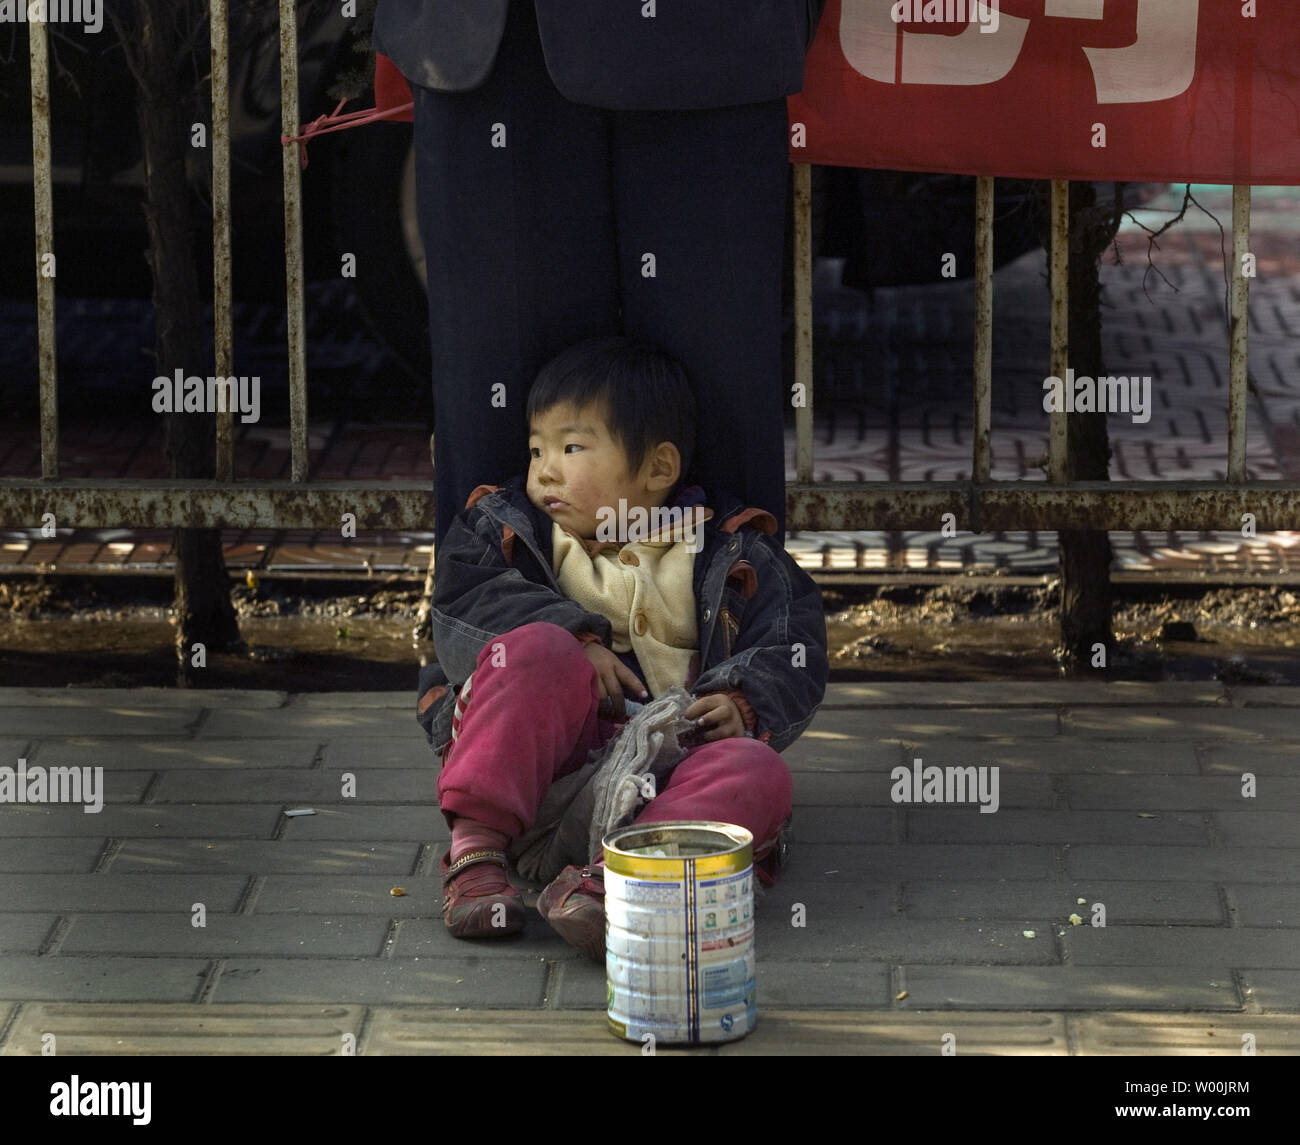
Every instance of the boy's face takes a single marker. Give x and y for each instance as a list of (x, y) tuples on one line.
[(578, 468)]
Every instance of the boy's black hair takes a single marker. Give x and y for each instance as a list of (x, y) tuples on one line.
[(644, 391)]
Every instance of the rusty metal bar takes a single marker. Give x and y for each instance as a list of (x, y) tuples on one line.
[(1058, 441), (222, 325), (1127, 505), (803, 359), (1240, 319), (295, 326), (840, 506), (97, 503), (982, 446), (45, 263)]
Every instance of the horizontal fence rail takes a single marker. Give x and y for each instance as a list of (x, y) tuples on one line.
[(978, 505)]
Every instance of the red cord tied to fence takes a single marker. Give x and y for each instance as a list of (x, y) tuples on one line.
[(393, 101)]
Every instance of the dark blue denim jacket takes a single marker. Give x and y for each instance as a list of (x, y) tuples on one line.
[(759, 615)]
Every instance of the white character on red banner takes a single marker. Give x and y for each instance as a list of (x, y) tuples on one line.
[(1158, 65)]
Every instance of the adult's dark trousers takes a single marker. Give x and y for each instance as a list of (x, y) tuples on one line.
[(545, 222)]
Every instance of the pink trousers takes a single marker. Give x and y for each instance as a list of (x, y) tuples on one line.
[(531, 717)]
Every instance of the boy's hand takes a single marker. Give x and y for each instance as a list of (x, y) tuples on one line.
[(717, 717), (613, 676)]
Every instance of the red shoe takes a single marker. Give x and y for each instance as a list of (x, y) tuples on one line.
[(574, 905), (480, 902)]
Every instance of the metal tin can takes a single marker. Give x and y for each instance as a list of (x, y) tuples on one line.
[(679, 931)]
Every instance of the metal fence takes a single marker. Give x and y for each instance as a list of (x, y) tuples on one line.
[(979, 504)]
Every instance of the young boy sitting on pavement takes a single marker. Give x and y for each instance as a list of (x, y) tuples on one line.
[(543, 624)]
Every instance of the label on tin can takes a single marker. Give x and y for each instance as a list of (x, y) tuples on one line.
[(680, 956)]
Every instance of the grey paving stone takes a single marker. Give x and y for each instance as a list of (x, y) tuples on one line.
[(304, 722), (842, 985), (1267, 905), (844, 825), (243, 821), (1062, 755), (345, 753), (428, 938), (351, 894), (815, 789), (1273, 990), (300, 788), (24, 933), (900, 1034), (1236, 946), (1258, 828), (842, 741), (140, 697), (67, 894), (922, 861), (479, 1032), (23, 856), (185, 1029), (473, 981), (125, 718), (400, 701), (827, 897), (1125, 902), (1177, 793), (111, 786), (579, 984), (420, 822), (930, 730), (1256, 695), (855, 937), (873, 788), (1012, 693), (164, 753), (809, 1030), (224, 935), (967, 824), (1069, 988), (255, 856), (1258, 759), (1194, 864), (1167, 1035), (1182, 723), (12, 749), (29, 978)]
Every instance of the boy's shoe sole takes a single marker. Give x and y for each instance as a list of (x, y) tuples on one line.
[(468, 915), (574, 906)]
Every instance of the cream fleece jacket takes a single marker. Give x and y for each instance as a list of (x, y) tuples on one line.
[(644, 589)]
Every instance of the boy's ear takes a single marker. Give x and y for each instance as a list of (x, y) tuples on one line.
[(665, 467)]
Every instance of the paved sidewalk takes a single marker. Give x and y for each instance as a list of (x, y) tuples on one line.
[(1128, 795)]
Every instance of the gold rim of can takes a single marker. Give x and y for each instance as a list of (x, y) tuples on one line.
[(732, 848)]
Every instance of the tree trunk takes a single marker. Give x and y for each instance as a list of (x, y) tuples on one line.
[(1085, 554), (204, 613)]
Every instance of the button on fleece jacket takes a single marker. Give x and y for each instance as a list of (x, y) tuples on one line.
[(759, 616)]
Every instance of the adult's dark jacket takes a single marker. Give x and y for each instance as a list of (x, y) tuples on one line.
[(759, 615), (605, 53)]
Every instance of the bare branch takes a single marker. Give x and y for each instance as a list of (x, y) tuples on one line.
[(129, 52)]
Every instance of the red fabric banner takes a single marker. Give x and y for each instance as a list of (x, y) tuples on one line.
[(391, 89), (1133, 90)]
